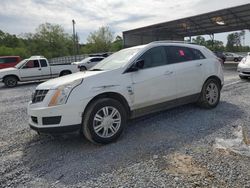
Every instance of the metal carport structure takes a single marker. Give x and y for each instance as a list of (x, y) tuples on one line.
[(225, 20)]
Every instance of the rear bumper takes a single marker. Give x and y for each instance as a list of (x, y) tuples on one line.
[(62, 129)]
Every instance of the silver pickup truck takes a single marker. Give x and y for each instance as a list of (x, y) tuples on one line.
[(34, 68)]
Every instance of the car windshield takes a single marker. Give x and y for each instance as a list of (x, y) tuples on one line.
[(117, 60), (20, 64), (85, 60)]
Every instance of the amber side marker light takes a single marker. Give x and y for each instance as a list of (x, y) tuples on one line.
[(54, 99)]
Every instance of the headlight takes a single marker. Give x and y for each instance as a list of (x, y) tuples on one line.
[(62, 93)]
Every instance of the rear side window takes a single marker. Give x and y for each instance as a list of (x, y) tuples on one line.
[(154, 57), (176, 54), (197, 54), (43, 63)]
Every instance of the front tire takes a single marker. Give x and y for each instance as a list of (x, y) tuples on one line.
[(210, 94), (104, 121), (236, 59), (10, 81)]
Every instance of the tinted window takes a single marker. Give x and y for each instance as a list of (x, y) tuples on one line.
[(43, 63), (8, 60), (176, 54), (96, 59), (197, 54), (154, 57)]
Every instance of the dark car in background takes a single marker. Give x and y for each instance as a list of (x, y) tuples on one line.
[(221, 56), (9, 61)]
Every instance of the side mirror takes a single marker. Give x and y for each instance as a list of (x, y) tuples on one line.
[(136, 66)]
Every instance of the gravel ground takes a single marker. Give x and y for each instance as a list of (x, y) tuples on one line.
[(173, 148)]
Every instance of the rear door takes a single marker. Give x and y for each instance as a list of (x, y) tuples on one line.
[(31, 70), (155, 83), (189, 64)]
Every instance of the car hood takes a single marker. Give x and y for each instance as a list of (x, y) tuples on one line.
[(7, 69), (55, 83)]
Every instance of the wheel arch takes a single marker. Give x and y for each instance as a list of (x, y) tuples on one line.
[(9, 75), (112, 95), (215, 78), (69, 71)]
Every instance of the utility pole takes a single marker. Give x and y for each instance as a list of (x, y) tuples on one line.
[(74, 38)]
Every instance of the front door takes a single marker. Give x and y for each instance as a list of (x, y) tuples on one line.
[(30, 71), (155, 82)]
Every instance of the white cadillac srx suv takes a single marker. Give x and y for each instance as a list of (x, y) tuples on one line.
[(130, 83)]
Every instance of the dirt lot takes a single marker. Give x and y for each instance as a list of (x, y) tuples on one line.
[(173, 148)]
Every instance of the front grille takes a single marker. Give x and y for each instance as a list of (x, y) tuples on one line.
[(39, 96)]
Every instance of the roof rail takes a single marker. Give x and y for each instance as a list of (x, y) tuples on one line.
[(171, 41)]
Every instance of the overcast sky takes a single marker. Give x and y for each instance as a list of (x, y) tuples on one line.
[(23, 16)]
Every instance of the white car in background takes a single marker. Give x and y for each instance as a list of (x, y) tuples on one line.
[(232, 57), (130, 83), (88, 62), (244, 67)]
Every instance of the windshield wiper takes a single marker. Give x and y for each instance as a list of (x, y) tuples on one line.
[(96, 69)]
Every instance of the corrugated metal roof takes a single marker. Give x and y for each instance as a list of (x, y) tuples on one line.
[(229, 19)]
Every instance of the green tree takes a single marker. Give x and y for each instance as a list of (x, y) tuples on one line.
[(117, 44), (51, 41), (199, 40), (99, 41), (233, 42)]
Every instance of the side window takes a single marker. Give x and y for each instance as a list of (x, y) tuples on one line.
[(43, 63), (96, 59), (31, 64), (8, 60), (198, 54), (176, 54), (154, 57)]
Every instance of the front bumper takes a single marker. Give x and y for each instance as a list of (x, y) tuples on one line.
[(62, 129), (56, 119), (244, 70)]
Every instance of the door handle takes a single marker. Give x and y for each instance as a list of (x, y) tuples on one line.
[(168, 73), (39, 69), (198, 65)]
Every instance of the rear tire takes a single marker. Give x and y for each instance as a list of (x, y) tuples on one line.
[(104, 121), (210, 94), (63, 73), (10, 81)]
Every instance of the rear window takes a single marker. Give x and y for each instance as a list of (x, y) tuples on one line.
[(176, 54), (43, 63), (8, 60)]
